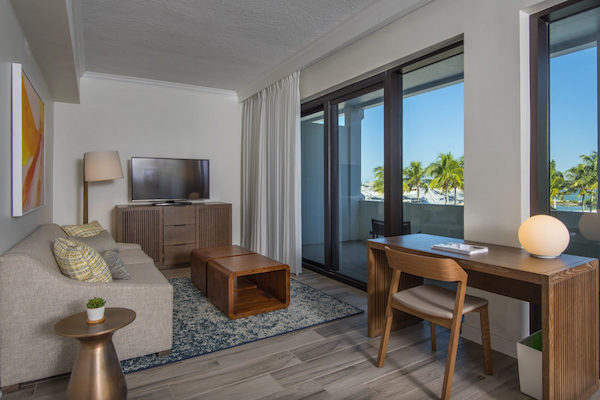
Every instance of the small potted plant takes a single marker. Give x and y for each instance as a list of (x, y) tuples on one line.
[(95, 310)]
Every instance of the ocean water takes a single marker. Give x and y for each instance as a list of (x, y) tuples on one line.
[(573, 198)]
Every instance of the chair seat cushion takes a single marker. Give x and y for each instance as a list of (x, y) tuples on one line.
[(435, 301)]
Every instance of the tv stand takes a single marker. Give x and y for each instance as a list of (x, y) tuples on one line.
[(168, 233)]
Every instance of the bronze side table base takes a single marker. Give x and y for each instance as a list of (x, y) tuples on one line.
[(97, 373)]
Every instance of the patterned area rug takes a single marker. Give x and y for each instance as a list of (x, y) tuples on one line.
[(200, 328)]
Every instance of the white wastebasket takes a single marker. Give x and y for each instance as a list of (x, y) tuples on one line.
[(529, 356)]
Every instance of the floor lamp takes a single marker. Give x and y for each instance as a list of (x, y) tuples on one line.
[(99, 166)]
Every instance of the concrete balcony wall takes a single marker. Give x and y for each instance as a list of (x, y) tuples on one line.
[(434, 219)]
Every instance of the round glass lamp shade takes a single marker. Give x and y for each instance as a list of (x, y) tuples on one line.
[(544, 236)]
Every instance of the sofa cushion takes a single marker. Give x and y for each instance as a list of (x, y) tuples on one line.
[(117, 267), (85, 230), (134, 256), (80, 262), (101, 242)]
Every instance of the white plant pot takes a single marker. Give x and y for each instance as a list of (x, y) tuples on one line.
[(95, 314)]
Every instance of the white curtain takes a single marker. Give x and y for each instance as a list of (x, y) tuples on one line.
[(271, 222)]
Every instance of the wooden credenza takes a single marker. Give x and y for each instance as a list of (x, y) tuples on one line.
[(168, 234)]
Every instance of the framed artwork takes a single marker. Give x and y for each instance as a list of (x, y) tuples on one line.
[(28, 186)]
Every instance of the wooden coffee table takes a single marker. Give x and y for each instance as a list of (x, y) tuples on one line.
[(97, 373), (240, 282)]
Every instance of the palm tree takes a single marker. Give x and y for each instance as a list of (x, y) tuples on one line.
[(378, 183), (414, 178), (583, 178), (557, 183), (459, 178), (591, 165), (446, 173)]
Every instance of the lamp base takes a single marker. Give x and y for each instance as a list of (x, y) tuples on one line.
[(538, 256)]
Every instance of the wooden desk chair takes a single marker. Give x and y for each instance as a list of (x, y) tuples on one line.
[(435, 304)]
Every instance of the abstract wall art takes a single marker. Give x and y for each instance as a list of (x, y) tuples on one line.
[(27, 145)]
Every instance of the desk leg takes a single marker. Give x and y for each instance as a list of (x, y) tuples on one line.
[(379, 276), (570, 333), (97, 373)]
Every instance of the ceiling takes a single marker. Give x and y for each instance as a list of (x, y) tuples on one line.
[(229, 45), (212, 43)]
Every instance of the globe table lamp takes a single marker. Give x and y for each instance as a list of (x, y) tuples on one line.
[(544, 236), (99, 166)]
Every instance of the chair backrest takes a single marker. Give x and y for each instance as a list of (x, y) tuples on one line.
[(406, 229), (441, 269), (377, 227)]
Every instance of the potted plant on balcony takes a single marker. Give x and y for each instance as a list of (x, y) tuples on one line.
[(95, 310)]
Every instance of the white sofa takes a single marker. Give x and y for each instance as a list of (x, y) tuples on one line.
[(34, 295)]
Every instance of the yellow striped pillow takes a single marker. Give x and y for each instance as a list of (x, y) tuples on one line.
[(86, 230), (80, 262)]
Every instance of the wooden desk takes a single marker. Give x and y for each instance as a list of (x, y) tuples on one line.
[(566, 287)]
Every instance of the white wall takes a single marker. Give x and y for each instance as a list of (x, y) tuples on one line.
[(14, 49), (496, 173), (149, 120)]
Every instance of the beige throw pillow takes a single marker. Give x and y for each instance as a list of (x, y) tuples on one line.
[(91, 229)]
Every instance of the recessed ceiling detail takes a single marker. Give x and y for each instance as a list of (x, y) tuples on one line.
[(212, 43)]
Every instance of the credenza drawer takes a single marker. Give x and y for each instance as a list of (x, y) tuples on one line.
[(179, 215), (179, 234), (178, 254)]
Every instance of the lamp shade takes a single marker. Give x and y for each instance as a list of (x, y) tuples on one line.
[(544, 236), (102, 166)]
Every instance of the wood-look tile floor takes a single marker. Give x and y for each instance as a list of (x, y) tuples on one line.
[(328, 361)]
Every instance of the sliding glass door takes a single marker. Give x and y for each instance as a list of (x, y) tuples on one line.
[(342, 183), (360, 181), (313, 184), (354, 141)]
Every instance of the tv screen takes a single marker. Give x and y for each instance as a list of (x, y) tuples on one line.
[(164, 179)]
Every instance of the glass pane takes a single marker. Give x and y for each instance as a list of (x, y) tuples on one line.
[(574, 127), (360, 152), (313, 200), (433, 148)]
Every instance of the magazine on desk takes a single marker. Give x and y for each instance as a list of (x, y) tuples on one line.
[(460, 248)]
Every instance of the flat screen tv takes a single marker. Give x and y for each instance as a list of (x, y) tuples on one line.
[(169, 179)]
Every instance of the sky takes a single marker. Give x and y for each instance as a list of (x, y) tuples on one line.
[(573, 107), (434, 121)]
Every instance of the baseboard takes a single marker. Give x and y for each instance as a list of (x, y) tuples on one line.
[(499, 343)]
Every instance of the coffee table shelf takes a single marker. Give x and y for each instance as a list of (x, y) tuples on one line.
[(240, 282), (255, 301)]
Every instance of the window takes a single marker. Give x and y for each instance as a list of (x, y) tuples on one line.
[(565, 134), (433, 147), (354, 184)]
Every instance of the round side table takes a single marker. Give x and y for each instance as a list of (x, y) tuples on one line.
[(97, 374)]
